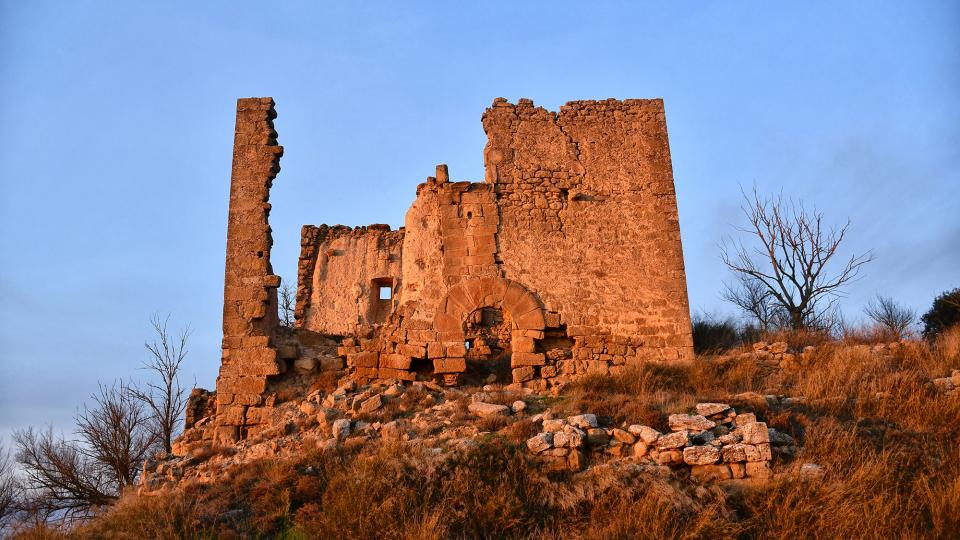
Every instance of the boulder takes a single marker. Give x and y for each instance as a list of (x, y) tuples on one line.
[(487, 410), (519, 406), (308, 408), (707, 473)]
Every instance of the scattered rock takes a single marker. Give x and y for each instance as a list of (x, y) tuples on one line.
[(341, 429), (487, 410), (519, 406), (371, 404)]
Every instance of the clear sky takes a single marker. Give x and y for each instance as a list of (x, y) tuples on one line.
[(117, 126)]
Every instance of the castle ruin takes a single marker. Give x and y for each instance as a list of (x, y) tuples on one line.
[(565, 260)]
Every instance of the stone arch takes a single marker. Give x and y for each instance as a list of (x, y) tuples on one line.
[(470, 294)]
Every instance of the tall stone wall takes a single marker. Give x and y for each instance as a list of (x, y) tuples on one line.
[(588, 220), (250, 287)]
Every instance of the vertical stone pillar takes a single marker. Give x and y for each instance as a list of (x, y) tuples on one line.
[(250, 287)]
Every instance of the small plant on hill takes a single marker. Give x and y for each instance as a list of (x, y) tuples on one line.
[(943, 314)]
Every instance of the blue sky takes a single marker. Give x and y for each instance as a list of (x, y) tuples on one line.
[(118, 122)]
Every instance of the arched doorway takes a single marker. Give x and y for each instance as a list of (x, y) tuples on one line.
[(487, 333)]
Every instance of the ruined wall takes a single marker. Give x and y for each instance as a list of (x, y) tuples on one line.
[(250, 287), (566, 260), (588, 220), (345, 267)]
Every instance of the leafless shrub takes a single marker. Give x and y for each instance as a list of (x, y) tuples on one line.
[(166, 399), (69, 478), (891, 316), (58, 476), (117, 433), (789, 264)]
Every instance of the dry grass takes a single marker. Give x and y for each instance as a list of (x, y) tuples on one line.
[(889, 443)]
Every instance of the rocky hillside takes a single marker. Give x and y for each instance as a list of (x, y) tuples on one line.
[(777, 441)]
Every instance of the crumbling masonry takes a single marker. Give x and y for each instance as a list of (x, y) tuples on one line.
[(566, 260)]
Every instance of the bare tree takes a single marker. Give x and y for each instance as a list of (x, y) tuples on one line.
[(753, 298), (9, 489), (286, 306), (165, 399), (117, 433), (792, 256), (70, 478), (58, 477), (890, 316)]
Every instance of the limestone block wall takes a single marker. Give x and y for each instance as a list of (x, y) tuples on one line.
[(250, 286), (588, 220), (341, 271)]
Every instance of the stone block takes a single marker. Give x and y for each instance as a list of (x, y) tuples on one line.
[(518, 359), (363, 359), (395, 361), (449, 365), (523, 374)]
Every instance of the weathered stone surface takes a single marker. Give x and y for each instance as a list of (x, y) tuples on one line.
[(678, 439), (518, 406), (554, 424), (707, 473), (701, 455), (755, 433), (371, 404), (341, 429), (540, 442), (304, 365), (710, 409), (623, 436), (679, 422), (597, 436), (760, 469), (479, 271), (645, 433), (583, 421), (486, 410)]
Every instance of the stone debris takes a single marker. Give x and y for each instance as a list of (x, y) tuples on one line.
[(486, 410), (948, 386), (721, 445), (442, 420)]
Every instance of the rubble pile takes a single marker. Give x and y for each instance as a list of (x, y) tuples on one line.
[(716, 443)]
